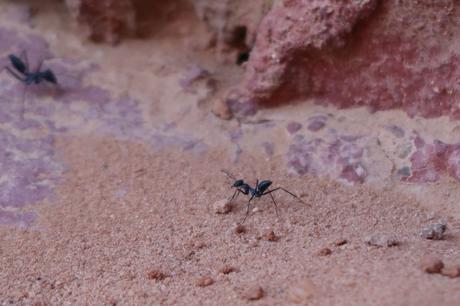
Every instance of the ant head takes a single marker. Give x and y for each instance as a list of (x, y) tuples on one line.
[(18, 63), (49, 76), (264, 185), (238, 183)]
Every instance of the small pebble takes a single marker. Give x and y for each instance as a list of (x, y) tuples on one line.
[(301, 292), (222, 206), (433, 231), (270, 236), (205, 281), (452, 272), (111, 302), (227, 270), (382, 240), (324, 252), (253, 293), (240, 229), (340, 242), (221, 109), (293, 127), (431, 264), (156, 275), (316, 125)]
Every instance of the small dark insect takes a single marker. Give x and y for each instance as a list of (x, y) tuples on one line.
[(22, 72), (260, 190)]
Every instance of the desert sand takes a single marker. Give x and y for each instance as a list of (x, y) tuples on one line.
[(129, 159)]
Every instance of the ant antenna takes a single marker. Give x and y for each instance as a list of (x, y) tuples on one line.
[(228, 174)]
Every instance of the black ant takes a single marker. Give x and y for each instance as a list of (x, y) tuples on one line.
[(260, 190), (23, 74)]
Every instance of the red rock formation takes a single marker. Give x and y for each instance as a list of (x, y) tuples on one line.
[(292, 36), (431, 161), (382, 54), (233, 22), (104, 20)]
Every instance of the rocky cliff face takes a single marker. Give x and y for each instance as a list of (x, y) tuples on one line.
[(233, 23), (381, 54), (105, 20)]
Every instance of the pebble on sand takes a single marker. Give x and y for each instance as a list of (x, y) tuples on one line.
[(431, 264), (221, 109), (205, 281), (340, 242), (254, 293), (433, 231), (324, 252), (240, 229), (271, 236), (156, 275), (222, 206), (451, 271), (382, 240), (227, 269), (301, 292)]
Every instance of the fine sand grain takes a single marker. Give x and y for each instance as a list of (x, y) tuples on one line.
[(133, 226)]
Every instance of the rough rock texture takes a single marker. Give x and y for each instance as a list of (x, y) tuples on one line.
[(382, 54), (341, 156), (293, 32), (430, 161), (382, 240), (433, 231), (104, 20), (233, 22)]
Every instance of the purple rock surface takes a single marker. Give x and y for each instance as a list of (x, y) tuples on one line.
[(29, 171)]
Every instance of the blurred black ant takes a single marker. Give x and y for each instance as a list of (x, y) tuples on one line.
[(260, 190), (22, 73)]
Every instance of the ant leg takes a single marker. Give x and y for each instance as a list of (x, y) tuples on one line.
[(280, 188), (23, 106), (228, 174), (235, 195), (16, 76), (39, 66), (25, 59), (276, 206), (247, 210), (237, 192)]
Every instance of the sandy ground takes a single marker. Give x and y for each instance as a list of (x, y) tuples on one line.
[(131, 161), (97, 241)]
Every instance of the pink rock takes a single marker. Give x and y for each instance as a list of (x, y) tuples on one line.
[(293, 127), (288, 33), (334, 158), (381, 54), (430, 161), (316, 125), (241, 107)]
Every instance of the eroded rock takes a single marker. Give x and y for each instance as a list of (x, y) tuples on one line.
[(358, 53), (234, 24), (104, 20), (433, 231), (382, 240), (430, 264)]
